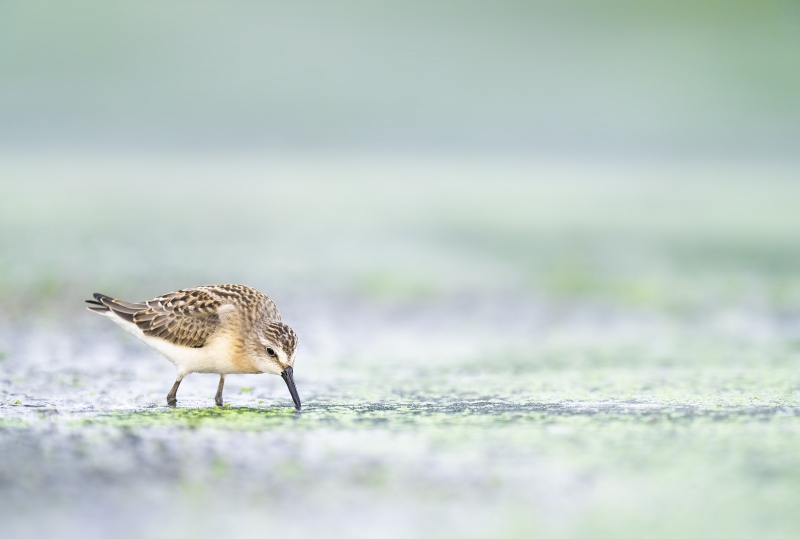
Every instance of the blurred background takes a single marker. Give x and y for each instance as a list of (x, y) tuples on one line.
[(616, 77), (549, 147), (542, 258)]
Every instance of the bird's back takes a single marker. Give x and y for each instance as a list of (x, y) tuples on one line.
[(189, 317)]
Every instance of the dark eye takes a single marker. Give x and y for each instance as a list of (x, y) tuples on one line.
[(271, 352)]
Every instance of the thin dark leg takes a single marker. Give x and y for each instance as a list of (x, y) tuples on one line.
[(218, 398), (172, 396)]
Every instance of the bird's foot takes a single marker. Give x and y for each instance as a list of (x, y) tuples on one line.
[(218, 400), (172, 402)]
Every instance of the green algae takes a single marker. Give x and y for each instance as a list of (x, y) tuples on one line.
[(622, 467), (553, 452), (6, 423), (416, 416), (565, 372), (227, 418)]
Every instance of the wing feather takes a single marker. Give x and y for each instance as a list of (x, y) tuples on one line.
[(190, 317), (186, 317)]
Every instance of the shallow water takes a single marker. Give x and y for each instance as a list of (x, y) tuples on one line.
[(472, 444), (603, 366)]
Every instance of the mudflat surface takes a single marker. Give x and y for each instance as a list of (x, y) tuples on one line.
[(572, 352)]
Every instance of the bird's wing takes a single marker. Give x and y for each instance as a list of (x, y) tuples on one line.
[(185, 318), (247, 299)]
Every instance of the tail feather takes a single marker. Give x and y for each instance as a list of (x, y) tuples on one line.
[(96, 307), (106, 304)]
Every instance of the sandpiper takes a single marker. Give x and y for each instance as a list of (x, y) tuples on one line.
[(222, 329)]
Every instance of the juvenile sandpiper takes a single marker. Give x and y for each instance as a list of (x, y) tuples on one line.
[(222, 329)]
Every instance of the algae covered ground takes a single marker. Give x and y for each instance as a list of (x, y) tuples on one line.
[(536, 349)]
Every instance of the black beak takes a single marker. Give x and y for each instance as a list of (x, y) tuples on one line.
[(288, 377)]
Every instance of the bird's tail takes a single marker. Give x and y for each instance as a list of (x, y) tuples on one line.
[(96, 305), (107, 305)]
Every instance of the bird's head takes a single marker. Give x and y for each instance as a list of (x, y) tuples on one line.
[(273, 353)]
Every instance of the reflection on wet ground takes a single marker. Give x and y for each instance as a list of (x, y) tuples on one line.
[(486, 350), (543, 436)]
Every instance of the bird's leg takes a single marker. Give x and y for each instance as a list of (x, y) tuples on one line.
[(172, 398), (218, 398)]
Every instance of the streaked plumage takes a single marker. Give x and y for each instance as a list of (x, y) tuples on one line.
[(224, 329)]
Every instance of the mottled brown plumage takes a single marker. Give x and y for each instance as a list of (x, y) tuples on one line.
[(233, 328), (189, 317)]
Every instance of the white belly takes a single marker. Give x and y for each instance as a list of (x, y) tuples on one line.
[(213, 357)]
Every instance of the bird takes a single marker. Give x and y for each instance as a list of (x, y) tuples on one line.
[(222, 329)]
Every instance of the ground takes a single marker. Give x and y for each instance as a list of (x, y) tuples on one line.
[(487, 349)]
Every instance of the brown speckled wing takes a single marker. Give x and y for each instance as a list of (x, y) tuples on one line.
[(249, 301), (185, 318)]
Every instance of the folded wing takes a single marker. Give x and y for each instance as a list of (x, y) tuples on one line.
[(185, 318)]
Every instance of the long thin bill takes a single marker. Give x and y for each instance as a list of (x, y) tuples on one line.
[(288, 377)]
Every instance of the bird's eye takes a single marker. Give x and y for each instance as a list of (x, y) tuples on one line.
[(271, 352)]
